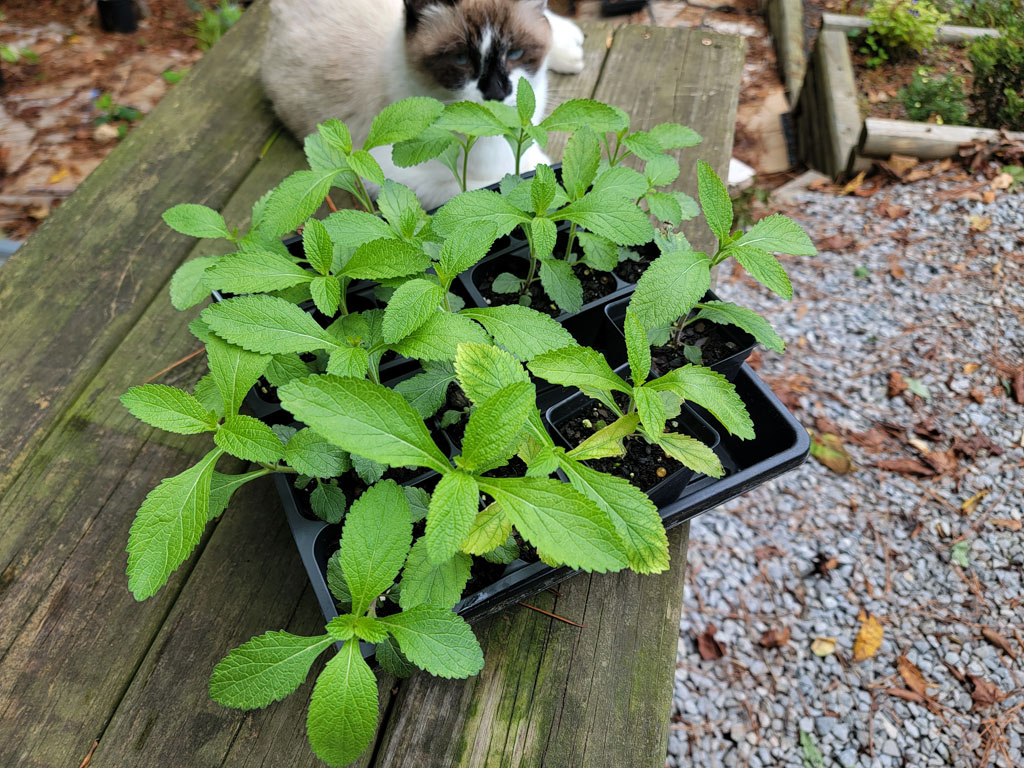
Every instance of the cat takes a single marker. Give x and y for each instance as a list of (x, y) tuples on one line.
[(348, 59)]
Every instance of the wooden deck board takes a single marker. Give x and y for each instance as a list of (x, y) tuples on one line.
[(81, 660)]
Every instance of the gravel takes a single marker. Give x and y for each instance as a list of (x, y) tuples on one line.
[(940, 304)]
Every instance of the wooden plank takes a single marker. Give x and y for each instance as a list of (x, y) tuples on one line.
[(946, 33), (840, 102), (786, 24), (75, 289), (882, 137), (72, 634)]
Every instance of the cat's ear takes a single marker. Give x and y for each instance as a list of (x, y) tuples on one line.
[(414, 10)]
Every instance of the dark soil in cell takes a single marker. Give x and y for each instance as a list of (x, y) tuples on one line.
[(456, 401), (595, 284), (630, 270), (712, 340)]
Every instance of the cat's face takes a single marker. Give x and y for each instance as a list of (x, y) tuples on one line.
[(477, 49)]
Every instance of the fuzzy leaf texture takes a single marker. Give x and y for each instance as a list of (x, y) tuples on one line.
[(607, 441), (559, 521), (374, 542), (342, 714), (426, 391), (426, 582), (328, 502), (580, 367), (168, 526), (453, 507), (670, 287), (523, 331), (222, 486), (419, 149), (265, 669), (386, 258), (169, 409), (713, 392), (249, 438), (234, 370), (726, 313), (692, 453), (436, 640), (471, 209), (526, 101), (491, 528), (621, 181), (351, 228), (495, 428), (561, 284), (410, 306), (326, 293), (439, 336), (764, 268), (483, 370), (638, 349), (266, 324), (196, 221), (255, 271), (471, 119), (188, 285), (309, 453), (542, 190), (599, 252), (714, 200), (296, 199), (778, 234), (675, 136), (651, 410), (317, 246), (580, 163), (609, 215), (576, 113), (464, 248), (365, 419), (403, 120)]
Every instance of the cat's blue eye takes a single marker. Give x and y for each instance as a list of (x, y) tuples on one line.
[(515, 55), (462, 59)]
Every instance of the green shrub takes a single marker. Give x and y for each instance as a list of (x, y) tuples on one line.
[(900, 27), (998, 95), (1000, 14), (213, 23), (928, 96)]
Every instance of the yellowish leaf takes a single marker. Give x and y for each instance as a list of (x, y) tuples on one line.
[(823, 646), (968, 506), (979, 223), (970, 368), (869, 639)]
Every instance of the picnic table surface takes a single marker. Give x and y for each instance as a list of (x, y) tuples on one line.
[(85, 314)]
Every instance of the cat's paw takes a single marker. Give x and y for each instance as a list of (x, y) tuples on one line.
[(566, 46)]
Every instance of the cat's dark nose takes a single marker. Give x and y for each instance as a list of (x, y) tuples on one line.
[(495, 86)]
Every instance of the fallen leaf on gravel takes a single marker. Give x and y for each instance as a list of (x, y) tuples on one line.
[(775, 638), (872, 438), (912, 676), (905, 467), (919, 388), (978, 395), (999, 641), (902, 164), (943, 462), (822, 565), (1005, 522), (970, 368), (985, 694), (895, 268), (766, 551), (1018, 385), (979, 223), (708, 647), (836, 243), (928, 428), (958, 554), (829, 450), (974, 445), (812, 755), (854, 184), (897, 386), (1003, 181), (823, 646), (893, 211), (921, 445), (968, 506), (869, 639), (906, 695)]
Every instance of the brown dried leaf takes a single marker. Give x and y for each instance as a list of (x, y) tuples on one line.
[(873, 438), (869, 639), (1002, 181), (999, 641), (979, 223), (970, 368), (985, 694), (906, 695), (1018, 385), (1005, 522), (905, 467), (978, 395), (902, 164), (896, 270), (709, 648), (775, 638), (970, 447), (943, 462), (893, 211), (854, 184), (988, 197), (897, 386), (829, 450), (929, 429), (912, 676), (837, 243)]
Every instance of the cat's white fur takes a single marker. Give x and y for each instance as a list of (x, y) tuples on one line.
[(345, 59)]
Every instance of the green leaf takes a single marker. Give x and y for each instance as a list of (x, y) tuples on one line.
[(419, 502), (692, 453), (542, 189), (265, 669), (607, 441), (561, 284), (471, 209), (336, 582), (168, 526), (363, 163), (661, 170), (670, 287), (425, 582), (392, 660), (396, 199), (326, 293), (206, 392), (342, 627), (524, 332), (484, 370), (222, 486), (308, 453), (495, 428), (342, 715), (196, 220), (576, 113), (471, 119), (322, 156), (637, 348), (610, 215), (726, 313), (811, 754), (419, 149), (296, 199), (714, 199), (351, 362), (580, 163), (351, 228), (577, 366), (169, 409), (336, 134), (316, 244), (411, 305), (439, 337), (643, 145), (713, 392), (426, 391), (675, 136), (386, 258), (255, 271), (453, 507), (778, 234), (436, 640), (234, 370), (369, 471), (651, 410), (365, 419), (188, 286), (545, 237), (249, 439), (526, 101), (504, 553), (621, 181), (665, 207), (369, 629), (764, 268), (635, 517), (687, 205), (464, 248), (959, 554), (491, 528), (506, 282), (266, 324), (328, 502), (402, 121), (560, 521), (599, 252), (374, 542)]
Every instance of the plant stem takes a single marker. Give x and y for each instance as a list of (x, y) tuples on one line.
[(519, 150), (533, 261), (465, 162), (343, 301), (365, 198), (269, 468), (569, 257)]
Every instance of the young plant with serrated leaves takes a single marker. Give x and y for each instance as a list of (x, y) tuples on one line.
[(376, 544), (670, 294)]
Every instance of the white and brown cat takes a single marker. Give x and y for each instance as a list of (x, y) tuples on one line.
[(348, 59)]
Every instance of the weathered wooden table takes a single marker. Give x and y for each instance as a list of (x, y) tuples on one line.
[(84, 314)]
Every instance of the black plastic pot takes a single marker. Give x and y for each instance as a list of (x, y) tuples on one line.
[(729, 366), (117, 15), (621, 7)]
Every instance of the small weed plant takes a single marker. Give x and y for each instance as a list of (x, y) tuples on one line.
[(900, 27), (214, 22), (405, 555), (998, 93), (931, 98)]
